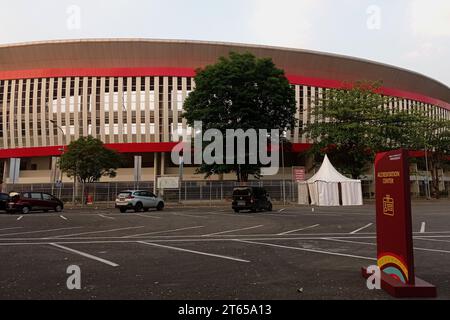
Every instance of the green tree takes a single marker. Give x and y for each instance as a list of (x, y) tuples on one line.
[(88, 160), (241, 92), (433, 135), (351, 125)]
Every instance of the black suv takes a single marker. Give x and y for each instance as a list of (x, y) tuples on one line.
[(4, 200), (251, 198)]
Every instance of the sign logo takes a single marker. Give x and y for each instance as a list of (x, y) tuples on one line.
[(394, 266), (299, 174), (388, 206)]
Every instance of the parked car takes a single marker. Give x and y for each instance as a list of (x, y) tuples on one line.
[(251, 198), (25, 202), (138, 200), (4, 200)]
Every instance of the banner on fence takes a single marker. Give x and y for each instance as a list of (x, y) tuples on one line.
[(298, 174), (168, 183)]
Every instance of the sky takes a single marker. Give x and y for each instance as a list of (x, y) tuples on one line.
[(413, 34)]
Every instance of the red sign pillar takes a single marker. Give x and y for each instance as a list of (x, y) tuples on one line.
[(394, 228)]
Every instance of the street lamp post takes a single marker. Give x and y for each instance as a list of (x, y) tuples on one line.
[(53, 122), (284, 169), (427, 182), (181, 169)]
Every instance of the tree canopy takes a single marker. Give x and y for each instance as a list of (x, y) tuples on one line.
[(241, 92), (353, 124), (88, 160), (432, 134)]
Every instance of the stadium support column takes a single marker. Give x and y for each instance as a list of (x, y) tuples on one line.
[(5, 174), (162, 170), (12, 171), (163, 164), (159, 169), (137, 171), (55, 175), (155, 172)]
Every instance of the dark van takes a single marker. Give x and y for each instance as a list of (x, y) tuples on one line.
[(25, 202), (251, 198)]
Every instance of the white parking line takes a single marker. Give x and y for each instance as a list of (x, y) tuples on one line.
[(348, 241), (232, 215), (231, 231), (11, 228), (282, 210), (87, 255), (193, 251), (64, 218), (111, 218), (293, 231), (188, 215), (38, 231), (94, 232), (307, 250), (160, 232), (434, 240), (374, 244), (19, 218), (422, 228), (186, 239), (145, 216), (199, 238), (361, 229)]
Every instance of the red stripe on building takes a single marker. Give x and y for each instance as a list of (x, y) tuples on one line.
[(135, 148), (189, 72), (119, 147), (56, 150)]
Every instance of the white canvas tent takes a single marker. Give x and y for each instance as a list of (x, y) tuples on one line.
[(323, 188)]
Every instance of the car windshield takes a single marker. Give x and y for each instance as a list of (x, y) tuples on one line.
[(241, 192)]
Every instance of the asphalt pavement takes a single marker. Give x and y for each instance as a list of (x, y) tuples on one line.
[(293, 253)]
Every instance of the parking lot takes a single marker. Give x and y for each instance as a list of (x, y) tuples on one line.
[(210, 253)]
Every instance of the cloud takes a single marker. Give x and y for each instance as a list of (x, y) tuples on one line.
[(425, 50), (430, 17), (283, 22)]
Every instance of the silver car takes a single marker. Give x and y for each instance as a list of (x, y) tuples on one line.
[(138, 200)]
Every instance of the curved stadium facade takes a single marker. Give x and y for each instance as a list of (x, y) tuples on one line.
[(130, 93)]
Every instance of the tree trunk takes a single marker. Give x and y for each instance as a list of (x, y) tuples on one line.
[(435, 183), (242, 176)]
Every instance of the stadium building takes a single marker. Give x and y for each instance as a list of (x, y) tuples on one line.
[(130, 93)]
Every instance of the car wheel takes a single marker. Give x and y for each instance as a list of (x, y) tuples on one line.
[(138, 207), (58, 208), (236, 210), (123, 210), (26, 210), (160, 206)]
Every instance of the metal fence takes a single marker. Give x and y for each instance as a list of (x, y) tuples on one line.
[(211, 191), (190, 191)]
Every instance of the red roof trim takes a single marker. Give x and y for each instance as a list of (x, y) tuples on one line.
[(189, 72)]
